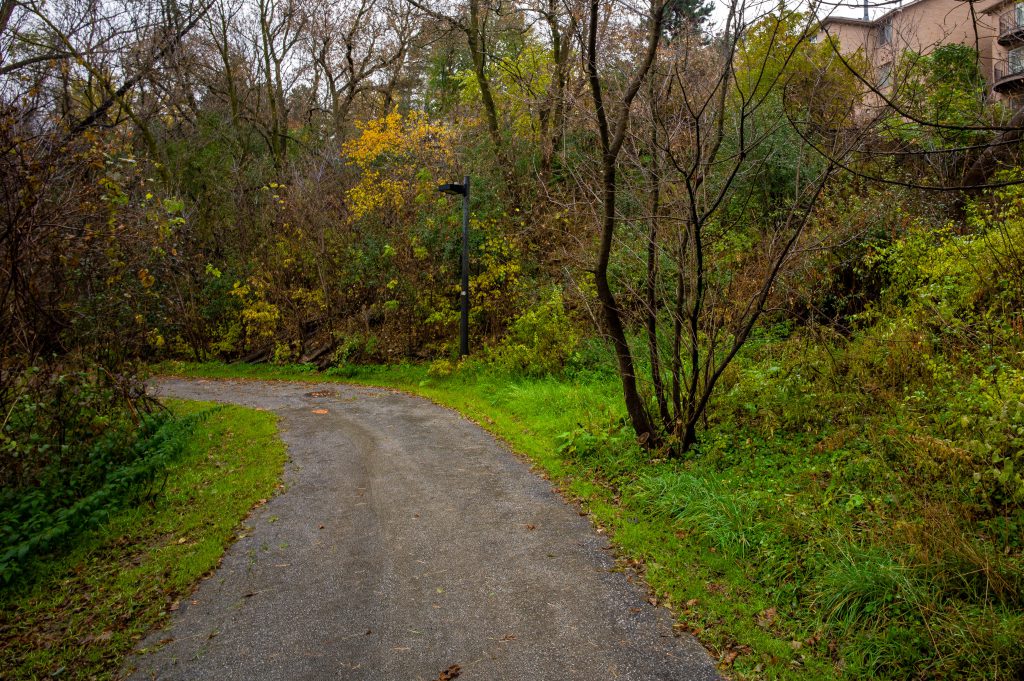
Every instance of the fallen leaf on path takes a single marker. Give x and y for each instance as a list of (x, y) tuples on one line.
[(450, 673), (531, 527), (319, 411)]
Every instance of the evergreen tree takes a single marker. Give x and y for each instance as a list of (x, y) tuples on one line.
[(684, 15)]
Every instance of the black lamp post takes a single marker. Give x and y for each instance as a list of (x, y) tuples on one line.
[(463, 189)]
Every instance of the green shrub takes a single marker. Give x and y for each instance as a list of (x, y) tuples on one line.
[(38, 520), (440, 368), (962, 286), (539, 342), (64, 426)]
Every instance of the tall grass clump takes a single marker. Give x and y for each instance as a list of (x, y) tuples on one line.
[(725, 519)]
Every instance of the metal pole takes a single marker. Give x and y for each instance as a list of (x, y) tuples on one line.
[(464, 297)]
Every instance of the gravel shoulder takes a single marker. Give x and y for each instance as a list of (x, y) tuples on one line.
[(407, 541)]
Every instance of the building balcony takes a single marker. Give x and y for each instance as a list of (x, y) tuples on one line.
[(1011, 26), (1007, 76)]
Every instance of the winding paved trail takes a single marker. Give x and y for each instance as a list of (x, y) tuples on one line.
[(408, 541)]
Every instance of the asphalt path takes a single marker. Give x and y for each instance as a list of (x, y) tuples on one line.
[(408, 544)]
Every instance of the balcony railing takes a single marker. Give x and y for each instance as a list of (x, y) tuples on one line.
[(1011, 25), (1007, 74)]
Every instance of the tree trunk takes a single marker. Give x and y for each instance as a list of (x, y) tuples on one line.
[(476, 34), (635, 407), (612, 139), (553, 112), (652, 280)]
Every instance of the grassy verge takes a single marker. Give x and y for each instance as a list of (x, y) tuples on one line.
[(80, 616), (819, 550)]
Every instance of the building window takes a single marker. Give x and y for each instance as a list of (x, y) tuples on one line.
[(885, 33), (1011, 20), (885, 76), (1015, 60)]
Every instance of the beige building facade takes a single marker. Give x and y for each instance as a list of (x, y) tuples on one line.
[(1008, 47), (995, 28)]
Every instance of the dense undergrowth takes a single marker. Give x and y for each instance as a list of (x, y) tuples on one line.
[(39, 521), (79, 613)]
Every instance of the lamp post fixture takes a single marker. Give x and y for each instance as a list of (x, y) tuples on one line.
[(453, 188)]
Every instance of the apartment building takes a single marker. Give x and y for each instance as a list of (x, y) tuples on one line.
[(994, 27), (1008, 49)]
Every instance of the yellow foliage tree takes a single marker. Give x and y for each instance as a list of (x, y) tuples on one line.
[(396, 155)]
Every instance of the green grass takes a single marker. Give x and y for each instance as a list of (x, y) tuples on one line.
[(81, 615), (791, 546)]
